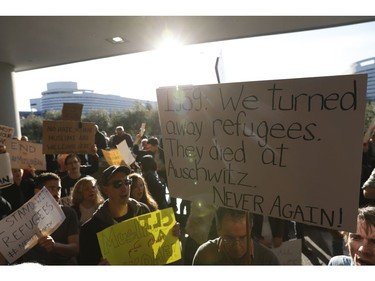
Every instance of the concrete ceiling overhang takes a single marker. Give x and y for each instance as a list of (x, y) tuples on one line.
[(33, 42)]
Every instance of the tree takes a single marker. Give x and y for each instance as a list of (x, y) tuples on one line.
[(369, 114), (33, 128), (118, 118), (135, 117), (100, 117), (52, 115), (130, 119), (144, 113), (153, 123)]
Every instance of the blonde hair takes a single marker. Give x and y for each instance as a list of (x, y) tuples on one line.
[(77, 195)]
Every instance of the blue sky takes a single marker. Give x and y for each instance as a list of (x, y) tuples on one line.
[(303, 54)]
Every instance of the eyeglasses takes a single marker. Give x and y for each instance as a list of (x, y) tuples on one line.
[(230, 241), (119, 183)]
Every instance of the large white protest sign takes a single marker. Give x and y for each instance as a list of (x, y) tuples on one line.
[(19, 231), (26, 154), (6, 175), (286, 148)]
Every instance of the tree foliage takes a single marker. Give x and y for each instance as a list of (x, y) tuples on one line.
[(33, 128), (130, 119), (369, 114), (52, 115), (100, 117)]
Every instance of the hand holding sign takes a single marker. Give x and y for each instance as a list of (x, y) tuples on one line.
[(149, 240), (20, 231)]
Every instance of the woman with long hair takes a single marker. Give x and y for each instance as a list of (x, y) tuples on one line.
[(86, 198), (139, 191)]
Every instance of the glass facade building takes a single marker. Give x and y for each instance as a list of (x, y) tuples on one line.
[(59, 93), (367, 66)]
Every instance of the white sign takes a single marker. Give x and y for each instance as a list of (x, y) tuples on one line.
[(283, 148), (19, 231), (125, 152), (143, 129), (289, 253)]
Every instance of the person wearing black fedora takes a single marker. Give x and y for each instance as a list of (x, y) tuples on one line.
[(116, 208)]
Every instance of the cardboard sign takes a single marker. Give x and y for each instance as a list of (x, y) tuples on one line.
[(113, 157), (71, 111), (5, 133), (283, 148), (125, 153), (289, 253), (68, 137), (25, 154), (6, 175), (143, 240), (19, 231)]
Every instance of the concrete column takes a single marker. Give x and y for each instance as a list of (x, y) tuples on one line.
[(9, 115)]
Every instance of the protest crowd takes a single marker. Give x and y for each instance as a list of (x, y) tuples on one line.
[(95, 195)]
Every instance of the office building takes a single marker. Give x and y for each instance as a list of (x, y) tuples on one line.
[(59, 93), (367, 66)]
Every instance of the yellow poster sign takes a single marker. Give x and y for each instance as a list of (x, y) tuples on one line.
[(113, 156), (143, 240)]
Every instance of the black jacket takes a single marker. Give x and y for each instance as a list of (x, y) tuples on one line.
[(5, 207), (89, 249)]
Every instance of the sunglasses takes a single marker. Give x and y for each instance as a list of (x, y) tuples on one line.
[(120, 183)]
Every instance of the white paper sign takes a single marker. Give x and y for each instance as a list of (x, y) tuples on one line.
[(289, 253), (125, 153), (19, 231), (281, 148), (143, 129), (6, 175)]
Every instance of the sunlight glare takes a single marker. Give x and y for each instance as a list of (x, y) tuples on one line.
[(169, 41)]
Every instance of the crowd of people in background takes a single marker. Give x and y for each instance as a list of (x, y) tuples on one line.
[(95, 195)]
